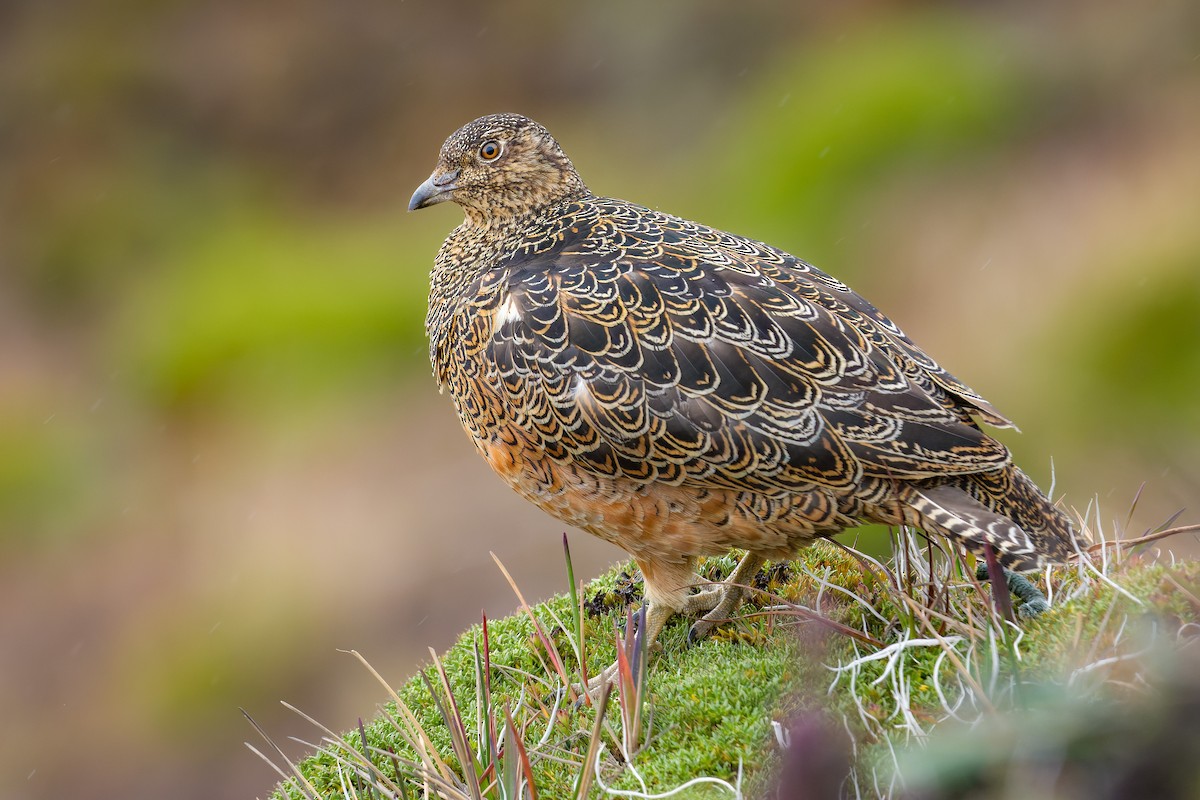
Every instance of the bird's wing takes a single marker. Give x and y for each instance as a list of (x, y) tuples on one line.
[(638, 344)]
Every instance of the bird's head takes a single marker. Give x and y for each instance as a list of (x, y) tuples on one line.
[(499, 166)]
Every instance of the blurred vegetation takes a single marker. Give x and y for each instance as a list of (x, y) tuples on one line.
[(204, 253), (927, 92), (262, 308), (1143, 355)]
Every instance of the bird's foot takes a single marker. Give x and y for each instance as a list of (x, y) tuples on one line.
[(1033, 604), (648, 623), (591, 691), (720, 603), (597, 685)]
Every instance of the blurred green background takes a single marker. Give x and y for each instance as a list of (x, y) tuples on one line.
[(221, 454)]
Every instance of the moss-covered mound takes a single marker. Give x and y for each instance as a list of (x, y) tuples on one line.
[(880, 657)]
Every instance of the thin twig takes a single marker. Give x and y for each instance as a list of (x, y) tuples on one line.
[(1130, 543)]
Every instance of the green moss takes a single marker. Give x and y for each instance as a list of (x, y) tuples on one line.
[(712, 705)]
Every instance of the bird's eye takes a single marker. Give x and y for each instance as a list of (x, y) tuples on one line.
[(489, 151)]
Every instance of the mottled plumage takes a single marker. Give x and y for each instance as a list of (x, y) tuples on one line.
[(681, 391)]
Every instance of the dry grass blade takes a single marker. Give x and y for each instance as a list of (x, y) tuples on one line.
[(919, 611), (448, 708), (547, 642), (301, 781), (1191, 597), (789, 609), (362, 765), (1126, 544), (411, 731), (1098, 572)]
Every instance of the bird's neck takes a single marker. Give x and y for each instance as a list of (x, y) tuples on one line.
[(474, 248), (469, 251)]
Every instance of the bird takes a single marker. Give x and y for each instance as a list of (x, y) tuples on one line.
[(682, 392)]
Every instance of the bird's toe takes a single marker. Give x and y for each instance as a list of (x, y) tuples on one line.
[(701, 629)]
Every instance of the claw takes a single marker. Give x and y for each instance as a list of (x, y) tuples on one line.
[(699, 631)]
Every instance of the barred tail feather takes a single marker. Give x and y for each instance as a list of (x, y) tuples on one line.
[(1048, 525), (1004, 509), (949, 510)]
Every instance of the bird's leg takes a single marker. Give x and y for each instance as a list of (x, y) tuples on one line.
[(667, 585), (1033, 602), (731, 597), (667, 594)]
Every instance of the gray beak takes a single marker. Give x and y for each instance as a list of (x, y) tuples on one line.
[(435, 190)]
